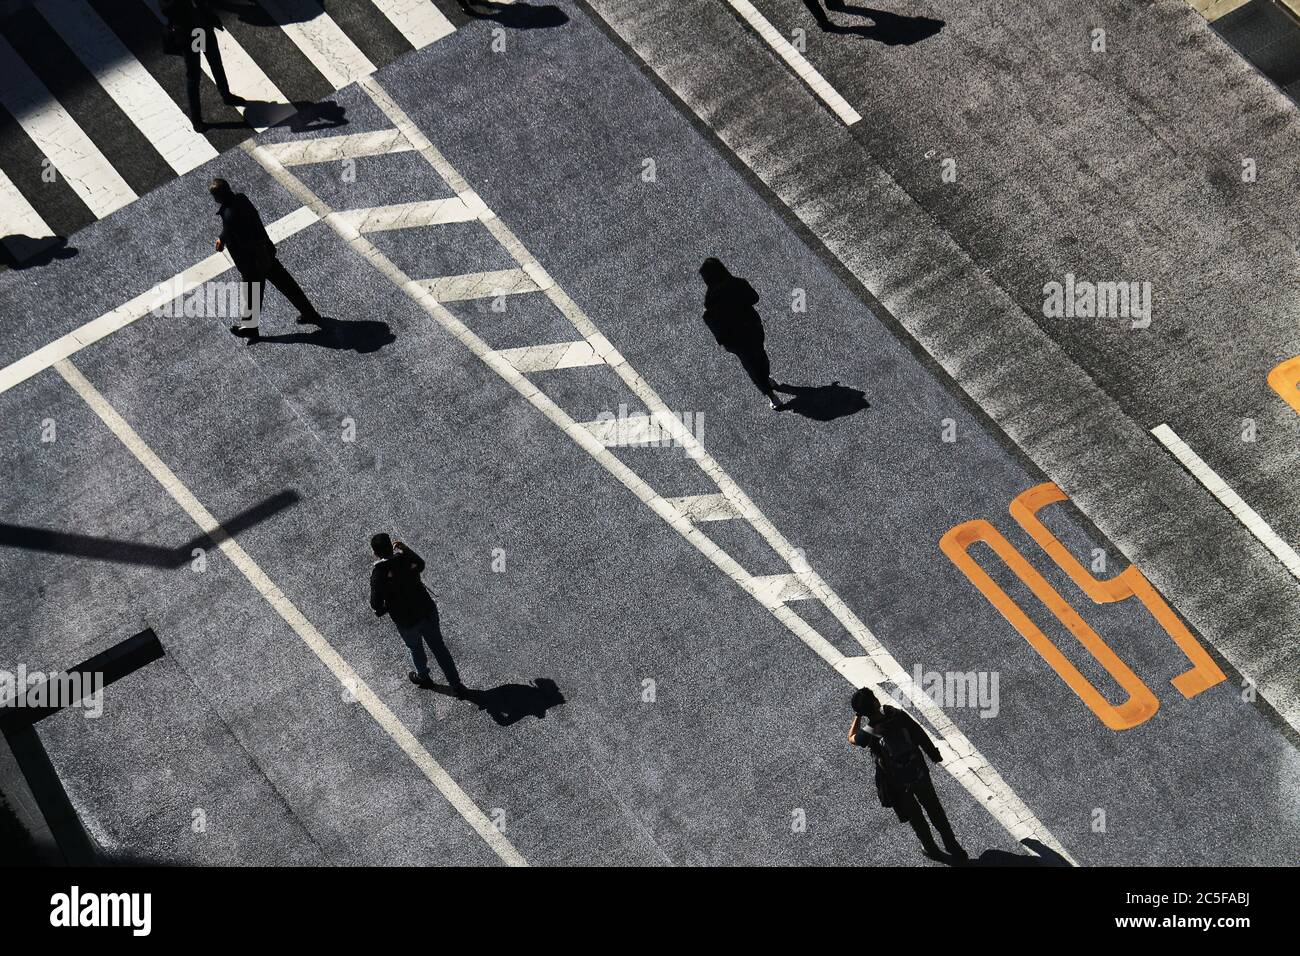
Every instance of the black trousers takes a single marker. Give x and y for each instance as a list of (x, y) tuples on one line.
[(910, 807), (280, 278), (193, 69), (757, 366), (428, 630)]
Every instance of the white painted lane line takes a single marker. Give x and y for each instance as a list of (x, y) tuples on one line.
[(965, 764), (410, 215), (119, 318), (1228, 498), (705, 507), (633, 431), (57, 135), (329, 149), (480, 285), (17, 216), (322, 41), (247, 79), (418, 20), (545, 358), (796, 61), (283, 606), (128, 83)]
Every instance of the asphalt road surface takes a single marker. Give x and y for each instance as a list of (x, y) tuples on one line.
[(662, 640)]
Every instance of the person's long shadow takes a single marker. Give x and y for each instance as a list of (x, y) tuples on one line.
[(360, 335), (891, 29), (27, 252), (1046, 856), (823, 403), (516, 16), (254, 15), (511, 703)]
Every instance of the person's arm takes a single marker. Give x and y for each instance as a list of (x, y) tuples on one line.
[(377, 601), (923, 739), (853, 729), (415, 562)]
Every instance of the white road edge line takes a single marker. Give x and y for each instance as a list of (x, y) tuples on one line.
[(1228, 498), (319, 646), (796, 61)]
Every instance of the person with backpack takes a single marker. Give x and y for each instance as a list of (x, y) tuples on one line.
[(900, 746), (396, 590)]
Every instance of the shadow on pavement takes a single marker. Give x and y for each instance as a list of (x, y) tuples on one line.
[(511, 703)]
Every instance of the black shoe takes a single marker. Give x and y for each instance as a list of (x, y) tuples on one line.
[(199, 126), (232, 99), (419, 681), (956, 851), (460, 691), (249, 335), (313, 319)]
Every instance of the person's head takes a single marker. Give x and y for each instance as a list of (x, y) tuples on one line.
[(864, 703), (220, 190), (713, 271), (382, 545)]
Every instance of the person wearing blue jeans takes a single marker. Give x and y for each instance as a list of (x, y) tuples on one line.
[(396, 590)]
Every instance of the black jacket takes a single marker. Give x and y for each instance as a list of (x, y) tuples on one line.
[(890, 793), (244, 236), (396, 588), (730, 315)]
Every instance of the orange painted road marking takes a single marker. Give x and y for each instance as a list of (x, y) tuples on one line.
[(1128, 583), (1285, 380), (1141, 704)]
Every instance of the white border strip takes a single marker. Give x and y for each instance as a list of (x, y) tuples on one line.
[(795, 60), (1228, 498), (322, 648)]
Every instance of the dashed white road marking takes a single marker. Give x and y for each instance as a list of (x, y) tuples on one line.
[(876, 667), (417, 20), (479, 285), (704, 507), (140, 306), (545, 358), (410, 215), (57, 135), (331, 149), (1216, 486), (128, 83), (17, 216), (287, 610), (774, 589), (796, 61), (322, 41)]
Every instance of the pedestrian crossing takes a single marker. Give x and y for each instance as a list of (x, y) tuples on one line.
[(93, 113)]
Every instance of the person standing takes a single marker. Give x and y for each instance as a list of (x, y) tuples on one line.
[(396, 590), (730, 315), (190, 31), (900, 746), (244, 236)]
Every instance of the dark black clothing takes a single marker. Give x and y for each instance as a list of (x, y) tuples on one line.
[(187, 21), (244, 236), (396, 589), (908, 801), (730, 315), (287, 284)]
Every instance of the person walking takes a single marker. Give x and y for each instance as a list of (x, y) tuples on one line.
[(730, 315), (900, 745), (396, 590), (190, 31), (244, 236)]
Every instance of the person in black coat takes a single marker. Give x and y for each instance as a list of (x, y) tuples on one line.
[(730, 315), (190, 31), (244, 236), (396, 590), (900, 745)]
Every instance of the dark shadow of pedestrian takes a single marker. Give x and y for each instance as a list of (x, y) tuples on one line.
[(730, 315), (824, 403), (511, 703), (362, 336), (28, 252), (1046, 856), (890, 29), (515, 16)]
